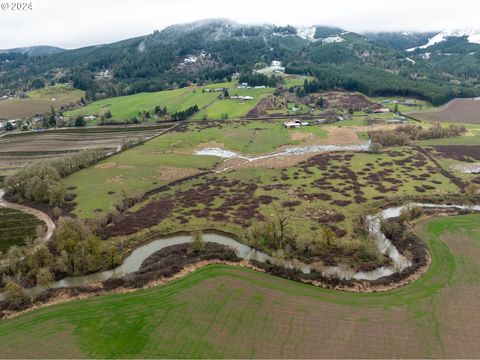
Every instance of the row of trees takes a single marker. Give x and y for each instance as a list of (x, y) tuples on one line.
[(404, 134), (184, 114), (41, 182), (256, 79)]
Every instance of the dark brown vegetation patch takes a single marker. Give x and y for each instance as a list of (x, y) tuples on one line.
[(457, 152), (149, 215)]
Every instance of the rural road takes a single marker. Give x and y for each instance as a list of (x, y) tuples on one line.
[(37, 213)]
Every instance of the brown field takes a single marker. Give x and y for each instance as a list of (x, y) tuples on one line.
[(39, 102), (458, 110), (20, 149), (346, 100)]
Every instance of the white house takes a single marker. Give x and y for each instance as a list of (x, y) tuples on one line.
[(89, 118), (381, 111), (241, 97), (291, 124)]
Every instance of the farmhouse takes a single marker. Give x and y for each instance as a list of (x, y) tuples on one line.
[(89, 118), (276, 66)]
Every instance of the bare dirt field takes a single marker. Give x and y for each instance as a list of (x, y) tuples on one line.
[(20, 149), (458, 110), (346, 100), (39, 102)]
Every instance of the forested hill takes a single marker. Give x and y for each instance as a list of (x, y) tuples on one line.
[(213, 50)]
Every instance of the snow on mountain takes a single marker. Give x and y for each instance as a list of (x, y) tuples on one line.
[(333, 39), (307, 33), (473, 36), (426, 56)]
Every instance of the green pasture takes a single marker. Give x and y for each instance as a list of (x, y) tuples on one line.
[(228, 312)]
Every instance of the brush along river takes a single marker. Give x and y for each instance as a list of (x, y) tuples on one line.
[(134, 261)]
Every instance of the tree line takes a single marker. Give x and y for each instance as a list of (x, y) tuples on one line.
[(41, 182), (377, 82), (405, 134)]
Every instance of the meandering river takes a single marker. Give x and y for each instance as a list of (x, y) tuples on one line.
[(133, 262)]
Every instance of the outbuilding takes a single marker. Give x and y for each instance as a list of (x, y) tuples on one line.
[(291, 124)]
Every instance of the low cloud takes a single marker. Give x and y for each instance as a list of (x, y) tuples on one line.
[(76, 23)]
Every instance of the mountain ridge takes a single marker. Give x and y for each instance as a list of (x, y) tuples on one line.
[(375, 63)]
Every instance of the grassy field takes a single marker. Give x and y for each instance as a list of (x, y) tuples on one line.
[(420, 105), (170, 157), (127, 107), (233, 108), (128, 174), (39, 101), (250, 138), (16, 227), (229, 312)]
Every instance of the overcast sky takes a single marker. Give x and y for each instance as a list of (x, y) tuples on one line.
[(77, 23)]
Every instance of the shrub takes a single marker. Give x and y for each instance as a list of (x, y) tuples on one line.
[(80, 250), (410, 213), (472, 190), (131, 142), (15, 296), (375, 148), (44, 277), (198, 244), (391, 229)]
